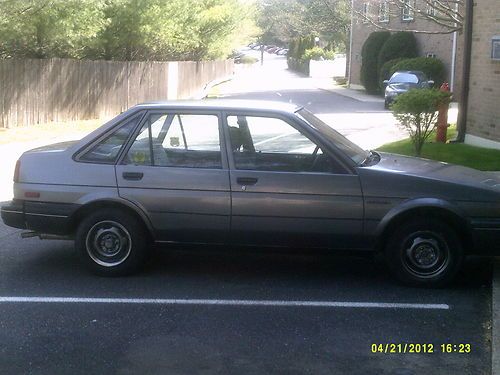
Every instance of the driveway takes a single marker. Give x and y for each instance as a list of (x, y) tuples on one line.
[(360, 117)]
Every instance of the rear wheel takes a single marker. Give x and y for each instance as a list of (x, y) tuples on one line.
[(112, 242), (424, 253)]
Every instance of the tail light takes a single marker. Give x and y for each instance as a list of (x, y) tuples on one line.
[(16, 171)]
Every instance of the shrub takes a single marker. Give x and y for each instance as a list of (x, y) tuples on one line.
[(369, 56), (416, 111), (296, 51), (399, 45), (432, 67), (317, 53)]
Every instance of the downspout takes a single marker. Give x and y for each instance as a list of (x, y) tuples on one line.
[(454, 56), (464, 97), (453, 62)]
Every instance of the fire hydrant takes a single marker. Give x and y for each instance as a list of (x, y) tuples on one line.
[(442, 123)]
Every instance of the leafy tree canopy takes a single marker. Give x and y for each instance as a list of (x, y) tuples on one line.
[(124, 29)]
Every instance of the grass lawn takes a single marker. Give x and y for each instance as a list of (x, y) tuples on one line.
[(484, 159)]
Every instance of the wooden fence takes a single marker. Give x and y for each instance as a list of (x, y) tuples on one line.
[(41, 91)]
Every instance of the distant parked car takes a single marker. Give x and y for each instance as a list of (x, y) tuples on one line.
[(403, 81), (283, 52), (250, 173)]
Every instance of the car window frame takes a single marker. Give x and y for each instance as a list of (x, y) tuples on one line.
[(77, 156), (294, 122), (180, 111)]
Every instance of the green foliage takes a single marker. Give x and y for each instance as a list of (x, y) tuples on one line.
[(369, 55), (432, 67), (399, 45), (44, 29), (124, 29), (416, 112), (284, 20), (484, 159), (296, 51), (386, 71), (248, 60), (318, 53)]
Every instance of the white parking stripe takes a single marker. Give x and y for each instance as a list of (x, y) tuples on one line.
[(226, 302)]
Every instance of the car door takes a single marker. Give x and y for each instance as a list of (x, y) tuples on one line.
[(286, 189), (176, 170)]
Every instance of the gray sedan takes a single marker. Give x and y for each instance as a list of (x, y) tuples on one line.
[(250, 173)]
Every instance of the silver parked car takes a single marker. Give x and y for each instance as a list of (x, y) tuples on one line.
[(250, 173)]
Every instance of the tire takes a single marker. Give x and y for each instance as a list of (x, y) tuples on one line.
[(386, 104), (424, 252), (111, 242)]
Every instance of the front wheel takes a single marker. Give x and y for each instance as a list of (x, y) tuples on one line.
[(424, 252), (112, 242)]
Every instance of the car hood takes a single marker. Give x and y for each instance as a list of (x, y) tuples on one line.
[(404, 86), (436, 170)]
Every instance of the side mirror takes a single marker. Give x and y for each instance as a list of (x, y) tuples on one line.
[(386, 82)]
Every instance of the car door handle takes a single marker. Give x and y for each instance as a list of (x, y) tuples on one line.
[(134, 176), (247, 180)]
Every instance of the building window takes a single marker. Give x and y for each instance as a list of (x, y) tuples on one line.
[(366, 15), (383, 12), (407, 10), (431, 8)]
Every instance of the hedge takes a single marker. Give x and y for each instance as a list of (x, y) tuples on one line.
[(369, 56), (432, 67), (399, 45)]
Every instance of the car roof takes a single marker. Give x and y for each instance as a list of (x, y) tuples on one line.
[(223, 104)]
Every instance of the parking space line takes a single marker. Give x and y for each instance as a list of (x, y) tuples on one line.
[(227, 302)]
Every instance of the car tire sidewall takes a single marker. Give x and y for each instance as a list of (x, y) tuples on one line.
[(394, 252), (139, 249)]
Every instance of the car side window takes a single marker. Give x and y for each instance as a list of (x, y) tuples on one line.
[(177, 140), (108, 149), (271, 144)]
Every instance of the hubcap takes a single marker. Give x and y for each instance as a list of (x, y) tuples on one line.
[(108, 243), (426, 254)]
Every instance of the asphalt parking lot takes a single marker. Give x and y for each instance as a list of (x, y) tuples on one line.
[(227, 311)]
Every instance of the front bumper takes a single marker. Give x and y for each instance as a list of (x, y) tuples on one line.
[(41, 217)]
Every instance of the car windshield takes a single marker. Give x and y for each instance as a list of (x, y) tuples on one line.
[(404, 78), (356, 153)]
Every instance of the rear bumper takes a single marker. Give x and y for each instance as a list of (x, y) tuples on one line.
[(486, 236), (13, 215), (41, 217)]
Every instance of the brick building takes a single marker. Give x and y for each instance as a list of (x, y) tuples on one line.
[(483, 109), (446, 47)]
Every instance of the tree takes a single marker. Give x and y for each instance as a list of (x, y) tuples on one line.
[(284, 20), (49, 28), (448, 14), (124, 29)]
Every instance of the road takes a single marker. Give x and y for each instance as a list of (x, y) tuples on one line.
[(232, 311)]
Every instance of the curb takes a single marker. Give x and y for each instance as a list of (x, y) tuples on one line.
[(495, 318), (359, 97)]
